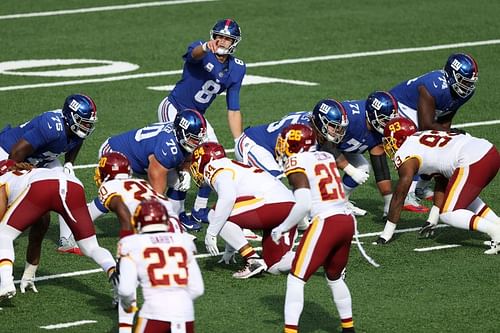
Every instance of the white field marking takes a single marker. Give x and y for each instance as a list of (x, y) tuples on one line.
[(250, 80), (260, 64), (100, 9), (425, 249), (197, 256), (478, 123), (71, 324)]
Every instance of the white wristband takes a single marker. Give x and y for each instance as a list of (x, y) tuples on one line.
[(350, 169), (204, 47)]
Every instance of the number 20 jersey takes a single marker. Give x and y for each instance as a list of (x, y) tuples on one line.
[(440, 152), (327, 193)]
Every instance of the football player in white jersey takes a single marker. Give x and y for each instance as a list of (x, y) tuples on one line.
[(162, 261), (121, 194), (28, 194), (247, 197), (318, 190), (462, 166)]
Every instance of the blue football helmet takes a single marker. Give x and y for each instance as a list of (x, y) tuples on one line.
[(329, 119), (380, 107), (79, 111), (190, 129), (461, 73), (228, 28)]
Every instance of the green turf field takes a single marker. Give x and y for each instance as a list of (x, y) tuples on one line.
[(332, 44)]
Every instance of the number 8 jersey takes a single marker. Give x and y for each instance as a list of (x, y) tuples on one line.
[(440, 152), (327, 193)]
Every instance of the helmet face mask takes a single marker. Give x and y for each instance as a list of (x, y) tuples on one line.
[(462, 74), (202, 155), (396, 132), (190, 129), (329, 119), (292, 140), (380, 107), (112, 165), (227, 28), (80, 114), (151, 216)]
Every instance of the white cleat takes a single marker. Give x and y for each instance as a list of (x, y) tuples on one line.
[(494, 247), (356, 211), (251, 236), (8, 291), (254, 266)]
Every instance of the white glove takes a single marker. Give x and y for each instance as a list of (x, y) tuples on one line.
[(183, 182), (222, 51), (357, 174), (276, 234), (211, 244), (228, 256), (27, 284), (68, 169)]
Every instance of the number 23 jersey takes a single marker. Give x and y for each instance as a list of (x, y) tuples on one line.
[(327, 193), (440, 152)]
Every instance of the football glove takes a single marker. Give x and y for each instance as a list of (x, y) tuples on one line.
[(68, 169), (183, 182), (228, 257), (427, 230), (211, 244), (358, 175), (27, 284)]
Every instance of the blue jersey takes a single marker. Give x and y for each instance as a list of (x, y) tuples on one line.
[(267, 135), (358, 137), (203, 79), (435, 82), (157, 139), (46, 133)]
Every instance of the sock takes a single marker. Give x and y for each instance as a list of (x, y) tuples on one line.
[(64, 230), (100, 255), (342, 299), (202, 197), (480, 208), (413, 186), (247, 252), (348, 190), (6, 271), (294, 301), (388, 230), (467, 220), (233, 235), (7, 255), (387, 203)]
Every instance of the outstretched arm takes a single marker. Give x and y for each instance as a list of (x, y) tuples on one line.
[(235, 121)]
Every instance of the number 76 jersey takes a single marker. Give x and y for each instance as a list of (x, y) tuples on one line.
[(328, 197)]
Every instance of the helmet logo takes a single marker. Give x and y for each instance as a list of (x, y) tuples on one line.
[(74, 105), (324, 108), (184, 123), (376, 104), (456, 64)]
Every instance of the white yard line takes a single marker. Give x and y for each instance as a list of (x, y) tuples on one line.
[(71, 324), (100, 9), (434, 248), (260, 64), (478, 123)]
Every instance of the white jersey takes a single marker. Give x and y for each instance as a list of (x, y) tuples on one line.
[(164, 265), (132, 192), (327, 192), (248, 181), (17, 182), (440, 152)]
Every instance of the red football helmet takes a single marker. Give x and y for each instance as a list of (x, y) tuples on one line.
[(294, 139), (202, 155), (395, 133), (110, 166), (151, 215), (6, 165)]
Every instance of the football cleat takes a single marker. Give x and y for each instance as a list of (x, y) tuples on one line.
[(412, 204), (380, 241), (494, 247), (251, 236), (356, 211), (200, 215), (68, 245), (425, 193), (189, 223), (253, 266), (8, 291)]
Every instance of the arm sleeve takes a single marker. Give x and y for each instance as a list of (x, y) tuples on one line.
[(226, 193), (302, 206), (128, 279)]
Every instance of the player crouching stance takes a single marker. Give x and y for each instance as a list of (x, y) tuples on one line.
[(162, 261), (462, 166), (31, 193), (318, 190)]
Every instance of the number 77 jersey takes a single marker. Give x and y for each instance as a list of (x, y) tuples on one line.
[(328, 197)]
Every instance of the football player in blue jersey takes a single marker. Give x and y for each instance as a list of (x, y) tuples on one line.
[(209, 70), (160, 152), (432, 100), (41, 140)]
